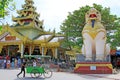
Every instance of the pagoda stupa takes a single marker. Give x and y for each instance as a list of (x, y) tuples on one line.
[(28, 23), (27, 35)]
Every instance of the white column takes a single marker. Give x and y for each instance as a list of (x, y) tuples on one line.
[(30, 50), (22, 50), (56, 53), (8, 51), (42, 51)]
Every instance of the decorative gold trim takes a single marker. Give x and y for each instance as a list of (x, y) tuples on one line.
[(93, 33), (1, 48), (79, 65), (53, 51)]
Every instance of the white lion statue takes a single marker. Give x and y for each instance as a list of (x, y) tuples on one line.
[(94, 37)]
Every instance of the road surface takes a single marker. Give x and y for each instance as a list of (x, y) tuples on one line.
[(10, 74)]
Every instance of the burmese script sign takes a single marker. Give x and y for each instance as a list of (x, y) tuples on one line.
[(10, 38)]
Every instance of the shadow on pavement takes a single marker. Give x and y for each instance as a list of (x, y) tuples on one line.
[(29, 78), (87, 76), (95, 76)]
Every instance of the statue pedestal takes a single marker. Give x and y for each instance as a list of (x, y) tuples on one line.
[(93, 68)]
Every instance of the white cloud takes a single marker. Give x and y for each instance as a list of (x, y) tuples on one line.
[(53, 12)]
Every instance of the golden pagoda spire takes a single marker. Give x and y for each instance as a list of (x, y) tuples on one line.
[(28, 17)]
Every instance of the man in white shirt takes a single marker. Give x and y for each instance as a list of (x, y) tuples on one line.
[(34, 63)]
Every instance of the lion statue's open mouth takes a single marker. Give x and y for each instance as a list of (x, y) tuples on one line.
[(93, 16)]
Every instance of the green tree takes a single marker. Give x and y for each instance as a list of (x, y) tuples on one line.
[(73, 25), (5, 6), (116, 37)]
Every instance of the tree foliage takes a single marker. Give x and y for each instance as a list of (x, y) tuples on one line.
[(116, 37), (73, 25), (5, 6)]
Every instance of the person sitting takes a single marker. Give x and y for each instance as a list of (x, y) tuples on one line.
[(34, 63)]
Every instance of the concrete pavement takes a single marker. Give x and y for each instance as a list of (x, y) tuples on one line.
[(11, 75)]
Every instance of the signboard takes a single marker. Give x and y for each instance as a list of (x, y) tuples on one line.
[(92, 67), (10, 38), (117, 53)]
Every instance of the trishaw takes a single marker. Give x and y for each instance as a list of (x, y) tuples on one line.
[(41, 68)]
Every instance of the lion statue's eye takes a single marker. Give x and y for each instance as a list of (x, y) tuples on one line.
[(97, 12), (87, 13)]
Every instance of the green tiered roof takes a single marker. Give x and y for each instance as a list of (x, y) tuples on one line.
[(28, 23)]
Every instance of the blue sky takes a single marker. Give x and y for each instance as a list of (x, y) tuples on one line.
[(54, 12)]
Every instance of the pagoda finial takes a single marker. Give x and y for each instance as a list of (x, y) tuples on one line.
[(54, 30), (49, 30), (28, 17)]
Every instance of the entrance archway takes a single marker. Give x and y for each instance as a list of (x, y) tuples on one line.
[(10, 50), (36, 51), (4, 51), (26, 50), (49, 52)]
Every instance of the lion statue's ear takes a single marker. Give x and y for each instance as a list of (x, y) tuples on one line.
[(87, 16), (98, 16)]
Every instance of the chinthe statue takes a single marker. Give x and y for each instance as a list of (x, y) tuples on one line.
[(94, 37)]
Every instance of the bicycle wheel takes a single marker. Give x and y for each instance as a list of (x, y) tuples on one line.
[(47, 73), (35, 73)]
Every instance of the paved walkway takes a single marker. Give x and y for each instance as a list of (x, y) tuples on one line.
[(11, 75)]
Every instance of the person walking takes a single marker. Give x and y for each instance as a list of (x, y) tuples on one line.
[(22, 69)]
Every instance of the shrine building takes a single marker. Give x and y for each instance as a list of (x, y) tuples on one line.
[(28, 36)]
